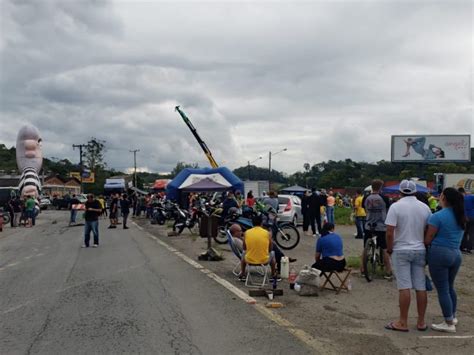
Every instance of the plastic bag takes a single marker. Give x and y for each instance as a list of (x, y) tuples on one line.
[(308, 279)]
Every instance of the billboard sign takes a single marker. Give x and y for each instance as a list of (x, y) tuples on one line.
[(431, 148), (90, 179)]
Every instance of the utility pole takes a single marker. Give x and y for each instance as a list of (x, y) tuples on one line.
[(270, 170), (80, 146), (270, 166), (135, 166)]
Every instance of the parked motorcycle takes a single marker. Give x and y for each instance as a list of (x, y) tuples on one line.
[(5, 216), (184, 219), (284, 234)]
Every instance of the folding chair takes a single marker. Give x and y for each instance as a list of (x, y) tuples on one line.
[(236, 270), (262, 270), (341, 280)]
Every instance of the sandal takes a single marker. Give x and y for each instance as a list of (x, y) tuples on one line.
[(391, 326)]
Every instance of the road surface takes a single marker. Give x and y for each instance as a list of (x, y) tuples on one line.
[(130, 295)]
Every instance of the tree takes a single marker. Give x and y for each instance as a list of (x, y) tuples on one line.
[(181, 166), (94, 154)]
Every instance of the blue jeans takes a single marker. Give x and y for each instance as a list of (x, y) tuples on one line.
[(73, 216), (360, 223), (94, 227), (444, 264), (330, 214)]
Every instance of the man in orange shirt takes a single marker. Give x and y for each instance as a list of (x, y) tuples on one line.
[(258, 247)]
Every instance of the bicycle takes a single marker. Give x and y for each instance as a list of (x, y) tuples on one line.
[(373, 256)]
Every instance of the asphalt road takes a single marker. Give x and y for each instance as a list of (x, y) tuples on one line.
[(130, 295)]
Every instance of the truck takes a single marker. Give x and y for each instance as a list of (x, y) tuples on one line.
[(115, 185), (455, 180), (257, 187)]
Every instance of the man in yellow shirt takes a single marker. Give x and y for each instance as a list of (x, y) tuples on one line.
[(360, 215), (258, 247)]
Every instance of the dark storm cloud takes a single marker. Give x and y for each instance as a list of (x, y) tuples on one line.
[(327, 80)]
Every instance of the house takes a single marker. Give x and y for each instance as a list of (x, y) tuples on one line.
[(55, 186)]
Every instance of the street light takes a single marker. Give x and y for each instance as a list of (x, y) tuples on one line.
[(270, 165), (250, 162)]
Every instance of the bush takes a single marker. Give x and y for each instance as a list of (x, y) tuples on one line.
[(343, 216)]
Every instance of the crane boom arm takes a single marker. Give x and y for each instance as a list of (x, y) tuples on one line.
[(198, 138)]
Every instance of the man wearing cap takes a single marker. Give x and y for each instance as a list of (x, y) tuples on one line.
[(406, 223)]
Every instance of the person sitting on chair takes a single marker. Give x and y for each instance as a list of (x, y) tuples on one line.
[(329, 254), (258, 248), (237, 238)]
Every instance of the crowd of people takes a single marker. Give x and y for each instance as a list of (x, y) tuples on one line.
[(23, 211), (414, 233)]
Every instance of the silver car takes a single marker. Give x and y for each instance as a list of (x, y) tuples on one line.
[(289, 209)]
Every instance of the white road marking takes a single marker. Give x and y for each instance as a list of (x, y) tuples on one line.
[(13, 264), (18, 307), (300, 334), (64, 289), (447, 337)]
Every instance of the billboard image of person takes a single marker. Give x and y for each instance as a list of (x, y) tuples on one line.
[(418, 146), (431, 148)]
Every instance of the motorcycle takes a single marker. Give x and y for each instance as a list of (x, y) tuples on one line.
[(5, 216), (285, 234), (184, 219), (160, 214)]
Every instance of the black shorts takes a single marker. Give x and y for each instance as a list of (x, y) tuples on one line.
[(112, 215), (381, 239)]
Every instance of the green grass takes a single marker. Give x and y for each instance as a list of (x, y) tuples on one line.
[(353, 262), (343, 216)]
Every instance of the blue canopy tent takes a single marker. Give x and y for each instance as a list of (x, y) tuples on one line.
[(396, 188), (188, 177)]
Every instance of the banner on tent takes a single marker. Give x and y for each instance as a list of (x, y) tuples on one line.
[(194, 178), (431, 148)]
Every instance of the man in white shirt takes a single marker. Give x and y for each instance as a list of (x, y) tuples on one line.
[(406, 223)]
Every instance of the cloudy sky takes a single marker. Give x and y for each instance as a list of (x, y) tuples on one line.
[(325, 79)]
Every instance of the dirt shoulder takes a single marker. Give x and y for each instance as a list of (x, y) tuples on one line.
[(355, 320)]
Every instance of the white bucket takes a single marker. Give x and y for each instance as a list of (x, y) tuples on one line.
[(285, 267)]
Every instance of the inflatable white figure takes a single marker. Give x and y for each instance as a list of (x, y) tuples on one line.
[(29, 159)]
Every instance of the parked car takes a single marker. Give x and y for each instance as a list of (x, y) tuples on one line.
[(61, 203), (45, 203), (289, 209)]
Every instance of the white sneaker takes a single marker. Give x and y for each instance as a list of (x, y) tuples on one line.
[(444, 327), (455, 321), (95, 246)]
